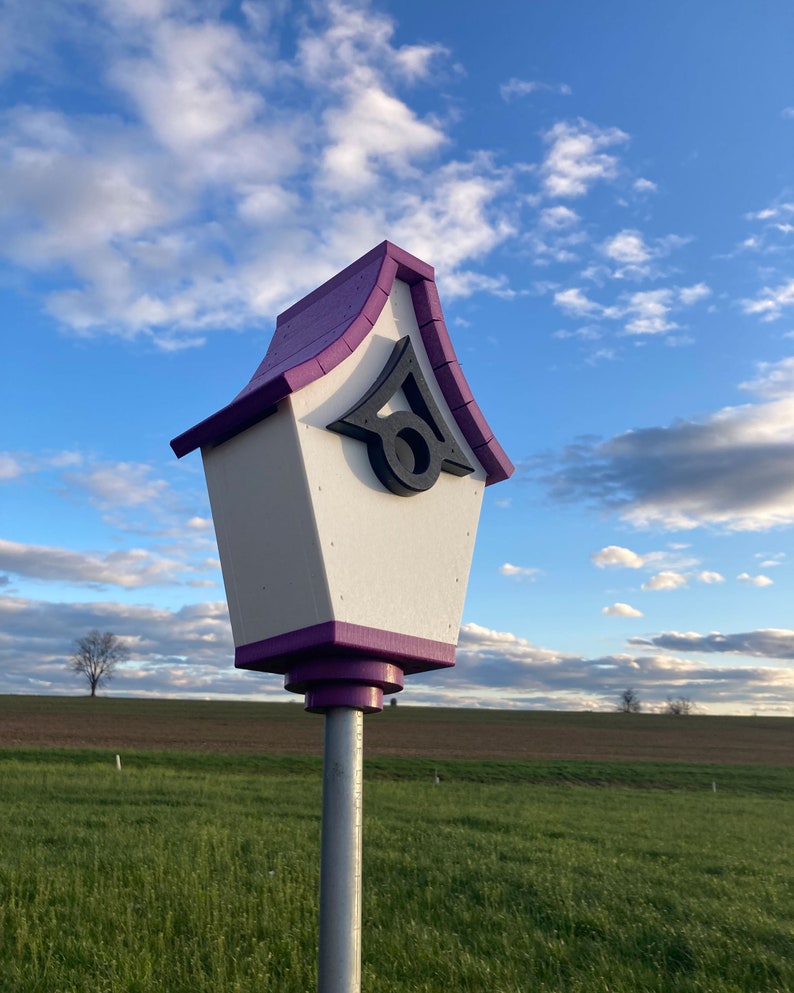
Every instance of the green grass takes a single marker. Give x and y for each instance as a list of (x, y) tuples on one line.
[(698, 777), (200, 873)]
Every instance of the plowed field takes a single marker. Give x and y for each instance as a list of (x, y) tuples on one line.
[(285, 729)]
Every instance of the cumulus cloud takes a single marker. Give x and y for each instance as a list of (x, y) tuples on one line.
[(628, 247), (689, 295), (644, 312), (15, 465), (635, 258), (519, 571), (575, 303), (222, 153), (121, 484), (557, 236), (507, 670), (749, 580), (130, 569), (666, 580), (733, 469), (188, 652), (10, 467), (615, 555), (675, 557), (771, 302), (621, 610), (648, 312), (183, 652), (558, 217), (577, 157)]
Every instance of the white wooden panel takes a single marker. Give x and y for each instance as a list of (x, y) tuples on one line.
[(269, 550), (396, 563)]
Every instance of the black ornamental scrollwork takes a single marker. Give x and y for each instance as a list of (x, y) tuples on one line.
[(408, 449)]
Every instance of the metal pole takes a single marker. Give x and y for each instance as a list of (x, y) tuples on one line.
[(339, 966)]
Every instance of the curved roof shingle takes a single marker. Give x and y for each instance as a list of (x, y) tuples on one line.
[(319, 331)]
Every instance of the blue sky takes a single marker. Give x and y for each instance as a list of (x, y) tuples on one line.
[(606, 193)]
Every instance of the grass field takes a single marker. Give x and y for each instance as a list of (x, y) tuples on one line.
[(198, 870)]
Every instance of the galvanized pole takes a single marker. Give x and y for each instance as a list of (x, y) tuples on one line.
[(339, 965)]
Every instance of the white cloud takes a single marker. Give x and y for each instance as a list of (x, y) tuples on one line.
[(615, 555), (508, 670), (188, 652), (645, 312), (558, 217), (10, 467), (666, 580), (627, 247), (577, 157), (373, 128), (199, 523), (635, 258), (787, 113), (221, 179), (689, 295), (519, 571), (573, 301), (710, 577), (749, 580), (645, 186), (649, 312), (732, 469), (130, 569), (621, 610), (771, 302), (524, 87), (122, 484)]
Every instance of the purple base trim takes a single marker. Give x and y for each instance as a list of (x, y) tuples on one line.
[(367, 698), (341, 682), (337, 639), (384, 675)]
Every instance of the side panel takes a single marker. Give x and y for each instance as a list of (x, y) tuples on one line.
[(395, 563), (264, 523)]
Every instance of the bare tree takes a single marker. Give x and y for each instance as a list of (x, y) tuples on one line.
[(629, 701), (679, 706), (96, 657)]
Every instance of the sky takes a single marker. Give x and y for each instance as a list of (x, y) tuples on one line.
[(607, 196)]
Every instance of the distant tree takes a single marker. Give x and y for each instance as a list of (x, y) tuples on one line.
[(679, 706), (629, 701), (96, 657)]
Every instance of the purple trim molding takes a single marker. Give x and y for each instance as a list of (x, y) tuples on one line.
[(334, 640), (343, 682), (321, 330), (367, 698)]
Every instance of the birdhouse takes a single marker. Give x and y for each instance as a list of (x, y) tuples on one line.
[(346, 481)]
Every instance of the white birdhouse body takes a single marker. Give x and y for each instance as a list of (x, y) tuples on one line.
[(346, 482), (306, 532)]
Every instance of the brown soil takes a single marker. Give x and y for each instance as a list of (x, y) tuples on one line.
[(285, 729)]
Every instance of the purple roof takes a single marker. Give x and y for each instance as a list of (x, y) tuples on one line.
[(323, 328)]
